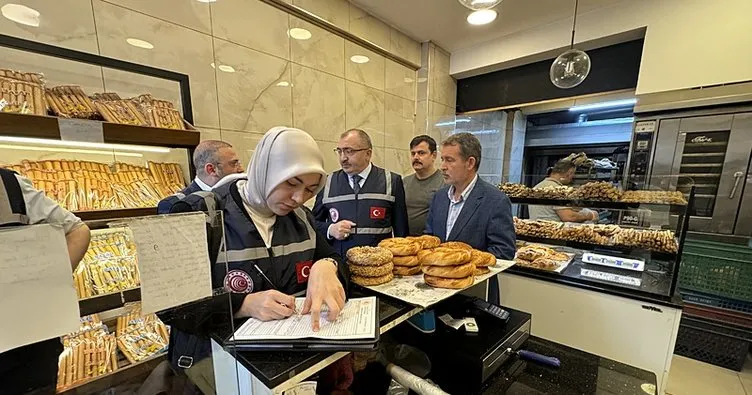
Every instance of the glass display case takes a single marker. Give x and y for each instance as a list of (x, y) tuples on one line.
[(632, 244)]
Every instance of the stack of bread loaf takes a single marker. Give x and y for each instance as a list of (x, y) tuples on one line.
[(109, 264), (87, 354), (82, 185), (140, 337), (370, 265), (454, 265), (405, 252)]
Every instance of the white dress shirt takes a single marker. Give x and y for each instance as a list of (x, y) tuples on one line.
[(202, 184), (455, 206), (363, 175)]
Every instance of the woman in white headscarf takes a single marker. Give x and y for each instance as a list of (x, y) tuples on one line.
[(273, 249)]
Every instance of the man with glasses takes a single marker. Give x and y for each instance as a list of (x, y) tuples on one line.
[(213, 160), (420, 186), (361, 204)]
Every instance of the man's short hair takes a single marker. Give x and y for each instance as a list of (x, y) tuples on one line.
[(366, 139), (423, 138), (469, 146), (562, 166), (207, 151)]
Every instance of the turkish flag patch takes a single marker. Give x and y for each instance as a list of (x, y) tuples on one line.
[(378, 213), (303, 269)]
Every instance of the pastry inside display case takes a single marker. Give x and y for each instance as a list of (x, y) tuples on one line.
[(99, 179), (109, 265), (28, 93)]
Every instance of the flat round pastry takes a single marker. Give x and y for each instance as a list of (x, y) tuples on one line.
[(426, 241), (446, 257), (451, 283), (406, 261), (456, 244), (483, 259), (406, 271), (369, 256), (545, 264), (366, 281), (461, 271), (400, 246), (370, 271), (423, 253), (479, 271)]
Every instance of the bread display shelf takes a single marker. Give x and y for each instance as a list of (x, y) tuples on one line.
[(633, 252), (115, 300), (46, 127), (673, 208), (125, 372)]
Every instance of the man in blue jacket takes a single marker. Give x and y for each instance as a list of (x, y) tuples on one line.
[(469, 209), (213, 160)]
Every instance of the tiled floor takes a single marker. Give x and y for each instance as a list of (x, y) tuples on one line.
[(690, 377)]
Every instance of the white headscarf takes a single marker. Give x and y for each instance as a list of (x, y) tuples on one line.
[(282, 153)]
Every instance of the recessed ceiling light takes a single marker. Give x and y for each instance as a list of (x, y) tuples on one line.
[(139, 43), (213, 66), (21, 14), (299, 34), (283, 83), (360, 59), (408, 80), (226, 68), (422, 80), (481, 17)]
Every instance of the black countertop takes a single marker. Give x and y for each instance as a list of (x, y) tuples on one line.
[(580, 373), (274, 368)]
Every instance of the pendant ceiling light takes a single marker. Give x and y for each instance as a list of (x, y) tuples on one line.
[(478, 5), (571, 67)]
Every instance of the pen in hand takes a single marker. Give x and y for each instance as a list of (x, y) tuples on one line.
[(273, 287)]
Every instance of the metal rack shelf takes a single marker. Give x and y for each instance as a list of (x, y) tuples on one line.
[(673, 208)]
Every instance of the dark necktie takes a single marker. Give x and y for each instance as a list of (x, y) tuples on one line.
[(356, 183)]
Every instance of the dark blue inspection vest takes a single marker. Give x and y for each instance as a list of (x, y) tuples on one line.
[(31, 367), (378, 210)]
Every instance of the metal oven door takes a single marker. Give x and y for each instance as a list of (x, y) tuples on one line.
[(712, 154)]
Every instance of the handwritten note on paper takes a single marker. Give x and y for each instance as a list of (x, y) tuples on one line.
[(37, 297), (173, 260)]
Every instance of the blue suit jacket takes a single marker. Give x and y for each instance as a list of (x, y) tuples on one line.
[(485, 221)]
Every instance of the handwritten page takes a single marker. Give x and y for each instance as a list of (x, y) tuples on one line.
[(356, 321), (82, 130), (37, 297), (303, 388), (173, 260)]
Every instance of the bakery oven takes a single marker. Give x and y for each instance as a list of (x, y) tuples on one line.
[(707, 149)]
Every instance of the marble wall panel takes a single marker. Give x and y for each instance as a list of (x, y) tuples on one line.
[(257, 95), (68, 24), (318, 103), (189, 13), (368, 27), (400, 80), (370, 73), (324, 51), (399, 126), (335, 11), (253, 24), (170, 51), (365, 110)]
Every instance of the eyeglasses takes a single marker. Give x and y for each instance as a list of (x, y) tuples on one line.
[(348, 151)]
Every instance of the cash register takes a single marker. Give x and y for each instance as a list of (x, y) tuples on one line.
[(463, 359)]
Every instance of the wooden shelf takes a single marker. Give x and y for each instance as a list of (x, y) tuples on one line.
[(124, 374), (101, 303), (46, 127), (97, 215), (673, 208)]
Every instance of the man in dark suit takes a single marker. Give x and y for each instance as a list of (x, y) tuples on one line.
[(213, 159), (469, 209), (361, 204)]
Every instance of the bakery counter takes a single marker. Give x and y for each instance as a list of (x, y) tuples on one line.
[(597, 318), (273, 372), (580, 373)]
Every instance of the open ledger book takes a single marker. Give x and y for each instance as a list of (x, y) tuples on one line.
[(355, 328)]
